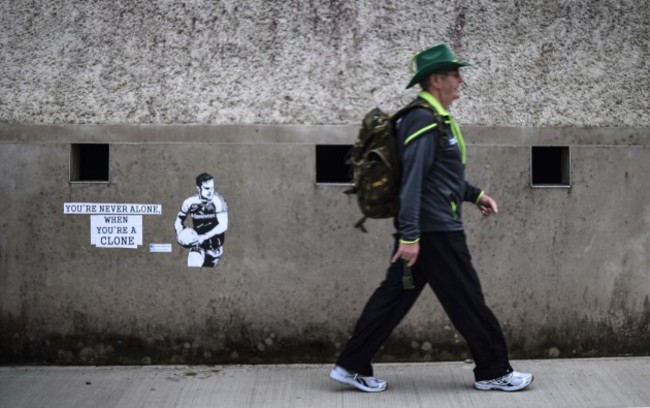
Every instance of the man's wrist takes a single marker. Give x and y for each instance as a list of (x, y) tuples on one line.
[(478, 199)]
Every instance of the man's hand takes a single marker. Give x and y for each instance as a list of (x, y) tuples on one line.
[(407, 252), (487, 205)]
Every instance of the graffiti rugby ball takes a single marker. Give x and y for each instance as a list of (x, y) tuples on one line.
[(187, 237)]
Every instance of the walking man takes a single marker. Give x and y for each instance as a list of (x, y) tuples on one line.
[(430, 241)]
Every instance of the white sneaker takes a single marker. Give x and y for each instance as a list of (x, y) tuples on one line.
[(514, 381), (367, 384)]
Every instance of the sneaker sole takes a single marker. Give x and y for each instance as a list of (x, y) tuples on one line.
[(481, 387), (348, 381)]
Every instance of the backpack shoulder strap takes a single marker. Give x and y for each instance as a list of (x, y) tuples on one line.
[(440, 120), (413, 105)]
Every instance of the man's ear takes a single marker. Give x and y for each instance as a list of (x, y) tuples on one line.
[(428, 83), (434, 81)]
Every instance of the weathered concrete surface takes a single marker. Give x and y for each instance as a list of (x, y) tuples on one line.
[(566, 270), (575, 260), (172, 86), (588, 383), (537, 63)]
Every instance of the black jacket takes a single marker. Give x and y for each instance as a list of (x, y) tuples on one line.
[(433, 184)]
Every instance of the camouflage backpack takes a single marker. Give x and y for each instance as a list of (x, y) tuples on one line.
[(375, 164)]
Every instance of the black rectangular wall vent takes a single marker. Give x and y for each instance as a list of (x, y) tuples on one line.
[(89, 162), (550, 166), (330, 164)]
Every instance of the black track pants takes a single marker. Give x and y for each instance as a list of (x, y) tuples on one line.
[(444, 262)]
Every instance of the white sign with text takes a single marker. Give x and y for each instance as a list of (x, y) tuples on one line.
[(112, 208), (116, 231)]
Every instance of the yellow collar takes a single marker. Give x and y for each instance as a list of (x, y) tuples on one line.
[(455, 129), (431, 100)]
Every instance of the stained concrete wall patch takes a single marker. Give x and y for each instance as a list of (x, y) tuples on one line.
[(209, 214)]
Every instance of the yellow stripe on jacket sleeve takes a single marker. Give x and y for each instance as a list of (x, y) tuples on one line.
[(418, 133)]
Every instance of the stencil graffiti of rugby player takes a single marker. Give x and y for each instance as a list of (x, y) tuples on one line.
[(209, 214)]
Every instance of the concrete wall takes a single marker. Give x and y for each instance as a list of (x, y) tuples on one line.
[(537, 63), (566, 270), (245, 91)]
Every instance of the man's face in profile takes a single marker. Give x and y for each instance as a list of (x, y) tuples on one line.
[(206, 191)]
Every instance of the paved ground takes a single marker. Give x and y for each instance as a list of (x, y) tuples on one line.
[(603, 382)]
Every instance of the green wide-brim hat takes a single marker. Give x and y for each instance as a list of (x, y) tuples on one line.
[(438, 58)]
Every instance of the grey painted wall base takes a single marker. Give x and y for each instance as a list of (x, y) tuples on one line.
[(565, 270)]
